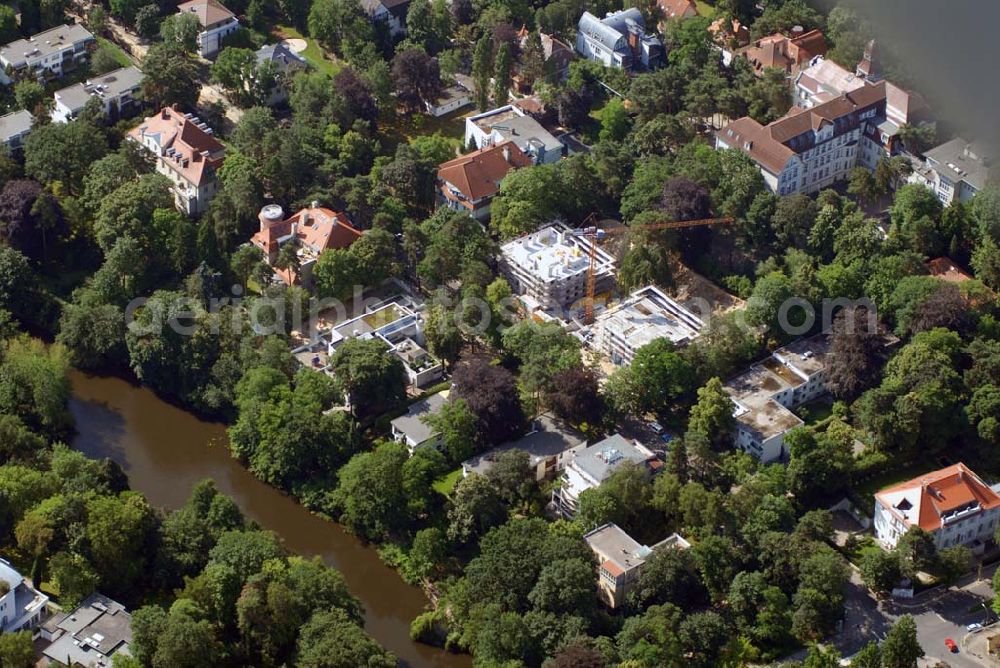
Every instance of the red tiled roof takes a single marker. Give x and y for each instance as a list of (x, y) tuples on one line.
[(786, 52), (941, 492), (478, 174), (196, 153), (317, 227)]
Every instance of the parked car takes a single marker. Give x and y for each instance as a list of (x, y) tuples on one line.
[(950, 644), (973, 627), (656, 427)]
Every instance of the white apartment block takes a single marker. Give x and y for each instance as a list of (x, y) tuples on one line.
[(115, 90), (22, 607), (217, 23), (549, 268), (591, 466), (764, 395), (809, 150), (48, 54), (952, 504), (512, 123), (620, 558), (645, 316)]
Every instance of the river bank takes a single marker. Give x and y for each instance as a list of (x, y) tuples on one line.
[(165, 451)]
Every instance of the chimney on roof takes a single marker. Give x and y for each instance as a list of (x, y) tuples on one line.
[(165, 113), (506, 153), (314, 204), (797, 31)]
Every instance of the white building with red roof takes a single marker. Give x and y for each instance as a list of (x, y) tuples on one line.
[(952, 504), (312, 230), (186, 152)]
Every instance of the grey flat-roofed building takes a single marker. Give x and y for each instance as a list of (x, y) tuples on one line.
[(591, 466), (14, 127), (90, 635), (620, 558), (956, 169), (116, 90), (51, 52)]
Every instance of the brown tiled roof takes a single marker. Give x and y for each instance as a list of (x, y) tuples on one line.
[(478, 174), (678, 8), (810, 44), (767, 145), (786, 52), (946, 269), (209, 12), (196, 153)]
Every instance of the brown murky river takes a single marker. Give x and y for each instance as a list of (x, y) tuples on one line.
[(165, 451)]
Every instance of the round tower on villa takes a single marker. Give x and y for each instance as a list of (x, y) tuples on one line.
[(269, 215)]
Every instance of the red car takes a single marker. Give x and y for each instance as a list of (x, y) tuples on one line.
[(950, 644)]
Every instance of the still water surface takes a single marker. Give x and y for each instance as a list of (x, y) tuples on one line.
[(165, 451)]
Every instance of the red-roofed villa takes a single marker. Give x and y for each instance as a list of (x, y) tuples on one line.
[(952, 504), (313, 230)]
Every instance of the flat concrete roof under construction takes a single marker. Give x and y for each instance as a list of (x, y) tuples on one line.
[(551, 254)]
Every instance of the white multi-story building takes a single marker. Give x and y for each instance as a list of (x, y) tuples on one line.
[(22, 607), (14, 128), (397, 323), (952, 504), (955, 170), (618, 40), (811, 149), (512, 123), (48, 54), (115, 90), (217, 23), (186, 152), (647, 315), (593, 465), (764, 395), (548, 268), (620, 558)]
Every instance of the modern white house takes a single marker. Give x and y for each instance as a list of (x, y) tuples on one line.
[(115, 90), (14, 128), (955, 170), (22, 607), (412, 430), (48, 54), (216, 21), (618, 40), (593, 465), (645, 316), (952, 504), (548, 269), (512, 123), (620, 558), (186, 152), (91, 635), (764, 395), (397, 323)]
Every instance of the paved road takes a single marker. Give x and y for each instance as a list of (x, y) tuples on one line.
[(940, 614)]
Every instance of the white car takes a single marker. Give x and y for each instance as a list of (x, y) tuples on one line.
[(973, 627)]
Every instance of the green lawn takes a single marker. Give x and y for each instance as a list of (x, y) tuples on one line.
[(446, 485), (815, 411), (120, 56), (405, 127), (314, 53), (867, 489), (705, 9)]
